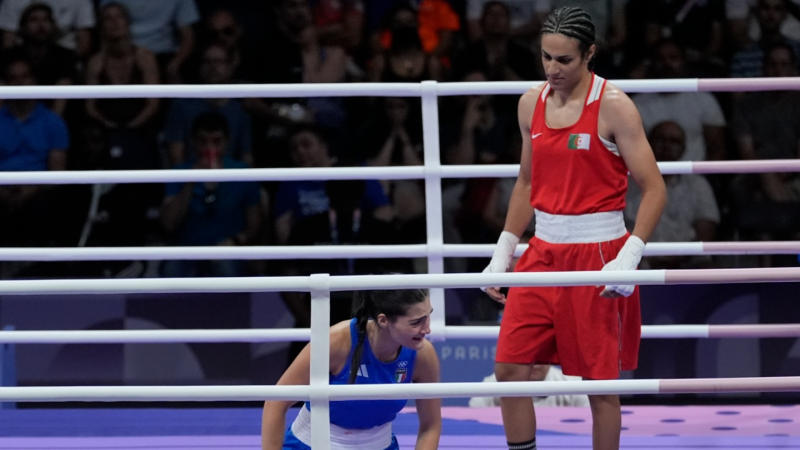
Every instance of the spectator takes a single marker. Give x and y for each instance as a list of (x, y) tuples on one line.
[(526, 18), (339, 23), (743, 27), (770, 14), (220, 27), (297, 56), (767, 126), (394, 138), (128, 122), (31, 138), (540, 372), (399, 53), (210, 213), (495, 53), (487, 137), (74, 19), (698, 113), (438, 25), (691, 212), (696, 27), (163, 27), (303, 209), (51, 63), (216, 67), (319, 212), (480, 135)]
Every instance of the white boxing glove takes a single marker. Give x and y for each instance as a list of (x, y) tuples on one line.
[(627, 259), (503, 254)]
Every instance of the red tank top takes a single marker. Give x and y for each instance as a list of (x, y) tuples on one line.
[(572, 170)]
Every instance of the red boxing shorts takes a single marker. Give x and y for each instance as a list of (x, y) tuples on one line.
[(589, 336)]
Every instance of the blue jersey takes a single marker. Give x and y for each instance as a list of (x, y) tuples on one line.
[(362, 414)]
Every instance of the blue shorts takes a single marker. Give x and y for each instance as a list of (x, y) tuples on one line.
[(290, 442)]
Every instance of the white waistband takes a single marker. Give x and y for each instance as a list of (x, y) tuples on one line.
[(582, 228), (373, 438)]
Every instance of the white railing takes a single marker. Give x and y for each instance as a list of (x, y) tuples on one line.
[(320, 286), (395, 391), (252, 335)]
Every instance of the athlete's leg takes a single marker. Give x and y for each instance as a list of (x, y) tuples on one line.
[(607, 421), (519, 420)]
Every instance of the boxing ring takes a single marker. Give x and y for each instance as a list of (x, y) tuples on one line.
[(643, 426)]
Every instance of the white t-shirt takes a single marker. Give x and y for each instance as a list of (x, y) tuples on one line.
[(554, 374), (691, 110), (690, 199), (69, 15)]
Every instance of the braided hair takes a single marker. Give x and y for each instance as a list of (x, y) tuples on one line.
[(369, 304), (574, 22)]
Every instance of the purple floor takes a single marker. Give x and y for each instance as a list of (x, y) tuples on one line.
[(644, 427)]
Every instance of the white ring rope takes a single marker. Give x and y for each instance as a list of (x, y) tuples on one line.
[(303, 334), (396, 391), (356, 173), (404, 281), (377, 89), (346, 251)]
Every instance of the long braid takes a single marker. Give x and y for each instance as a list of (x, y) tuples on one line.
[(362, 314), (574, 22)]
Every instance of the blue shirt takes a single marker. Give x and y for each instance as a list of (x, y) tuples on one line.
[(362, 414), (154, 23), (210, 220), (309, 198), (26, 144)]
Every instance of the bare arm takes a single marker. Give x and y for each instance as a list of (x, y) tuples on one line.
[(625, 127), (147, 63), (283, 227), (174, 208), (520, 211), (252, 224), (771, 183), (57, 159), (705, 230), (316, 69), (715, 142), (83, 42), (251, 229), (185, 47), (93, 77), (428, 410), (273, 419)]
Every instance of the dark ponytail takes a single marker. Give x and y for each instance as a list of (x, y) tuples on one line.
[(362, 315), (368, 305)]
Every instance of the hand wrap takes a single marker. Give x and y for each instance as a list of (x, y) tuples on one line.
[(503, 254), (627, 259)]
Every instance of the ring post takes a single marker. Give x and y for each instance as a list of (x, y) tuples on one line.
[(320, 360), (433, 200), (8, 367)]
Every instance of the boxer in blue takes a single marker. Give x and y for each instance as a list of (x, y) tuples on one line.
[(384, 343)]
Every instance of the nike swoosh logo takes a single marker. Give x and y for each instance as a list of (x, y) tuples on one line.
[(535, 135)]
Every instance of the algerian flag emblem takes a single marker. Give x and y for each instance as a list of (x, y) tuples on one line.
[(578, 141)]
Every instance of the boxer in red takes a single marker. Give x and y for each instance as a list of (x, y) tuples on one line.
[(581, 137)]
